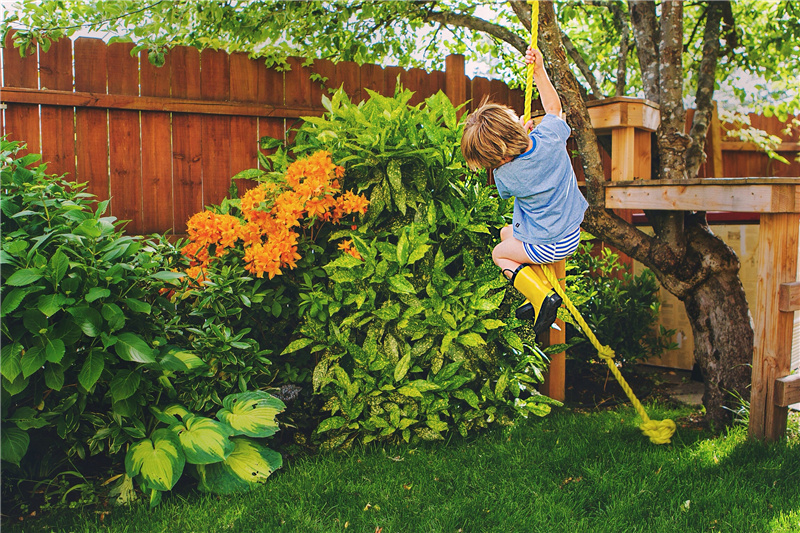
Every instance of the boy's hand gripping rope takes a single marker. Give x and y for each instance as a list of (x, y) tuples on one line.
[(659, 431)]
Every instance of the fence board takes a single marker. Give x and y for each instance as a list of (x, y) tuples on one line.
[(58, 131), (271, 92), (327, 71), (91, 136), (348, 75), (21, 120), (187, 182), (372, 78), (391, 75), (125, 151), (156, 150), (215, 83), (244, 130)]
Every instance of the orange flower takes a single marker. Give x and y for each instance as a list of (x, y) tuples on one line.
[(310, 194)]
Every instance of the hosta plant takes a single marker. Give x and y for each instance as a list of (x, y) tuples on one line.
[(223, 453)]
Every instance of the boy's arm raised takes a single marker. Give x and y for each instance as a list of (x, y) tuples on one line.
[(550, 100)]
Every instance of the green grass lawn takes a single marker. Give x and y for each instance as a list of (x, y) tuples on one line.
[(570, 472)]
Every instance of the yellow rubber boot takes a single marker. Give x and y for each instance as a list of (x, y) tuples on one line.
[(542, 303)]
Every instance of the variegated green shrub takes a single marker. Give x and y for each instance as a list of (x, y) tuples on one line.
[(417, 337)]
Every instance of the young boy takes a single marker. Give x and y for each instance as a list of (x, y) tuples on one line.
[(535, 169)]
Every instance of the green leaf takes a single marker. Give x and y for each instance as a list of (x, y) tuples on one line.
[(408, 390), (12, 300), (204, 440), (50, 304), (502, 384), (96, 293), (296, 345), (89, 228), (177, 359), (125, 384), (32, 360), (27, 418), (399, 284), (470, 339), (92, 369), (166, 275), (58, 266), (137, 306), (13, 445), (54, 377), (24, 276), (10, 361), (88, 319), (55, 350), (401, 369), (131, 347), (403, 249), (334, 422), (249, 465), (159, 460), (468, 396), (251, 413), (113, 315)]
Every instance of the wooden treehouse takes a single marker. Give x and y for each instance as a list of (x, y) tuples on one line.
[(631, 122)]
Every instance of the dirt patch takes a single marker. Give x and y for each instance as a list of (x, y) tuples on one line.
[(593, 386)]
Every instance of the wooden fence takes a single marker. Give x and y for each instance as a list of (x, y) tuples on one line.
[(162, 143)]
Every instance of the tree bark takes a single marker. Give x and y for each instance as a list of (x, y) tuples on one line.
[(645, 31), (706, 79)]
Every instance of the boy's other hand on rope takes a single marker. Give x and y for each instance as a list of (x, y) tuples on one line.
[(533, 56)]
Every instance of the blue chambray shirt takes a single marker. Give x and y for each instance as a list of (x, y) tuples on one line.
[(548, 204)]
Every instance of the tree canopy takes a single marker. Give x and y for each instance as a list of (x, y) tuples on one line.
[(758, 60)]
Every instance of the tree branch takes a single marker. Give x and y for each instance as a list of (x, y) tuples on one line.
[(706, 78), (596, 93), (621, 21), (645, 33), (478, 24)]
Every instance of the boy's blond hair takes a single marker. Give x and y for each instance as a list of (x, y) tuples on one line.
[(492, 135)]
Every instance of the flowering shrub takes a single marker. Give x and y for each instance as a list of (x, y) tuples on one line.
[(270, 215)]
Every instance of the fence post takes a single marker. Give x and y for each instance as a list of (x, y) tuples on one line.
[(455, 86)]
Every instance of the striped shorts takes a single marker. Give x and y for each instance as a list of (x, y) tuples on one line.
[(550, 253)]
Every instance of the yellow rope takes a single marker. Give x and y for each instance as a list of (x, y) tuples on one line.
[(534, 38), (659, 431)]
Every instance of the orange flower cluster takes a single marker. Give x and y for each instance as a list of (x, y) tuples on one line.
[(311, 195)]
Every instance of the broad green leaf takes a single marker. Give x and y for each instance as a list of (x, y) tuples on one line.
[(89, 228), (92, 368), (468, 396), (401, 369), (166, 275), (58, 266), (88, 319), (114, 316), (408, 390), (204, 440), (502, 384), (19, 384), (403, 248), (54, 376), (27, 418), (13, 444), (251, 413), (125, 384), (334, 422), (180, 360), (513, 340), (24, 276), (131, 347), (137, 306), (418, 253), (399, 284), (470, 339), (32, 360), (296, 345), (159, 460), (55, 350), (10, 361), (50, 304), (96, 293), (249, 465), (12, 300)]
